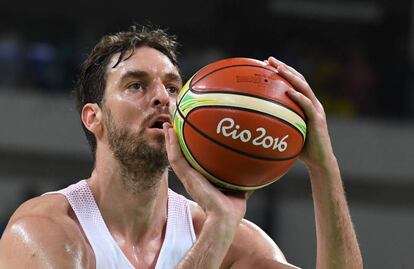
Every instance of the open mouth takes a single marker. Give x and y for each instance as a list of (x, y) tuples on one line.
[(157, 124), (159, 121)]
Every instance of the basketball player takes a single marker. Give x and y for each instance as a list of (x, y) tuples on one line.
[(124, 216)]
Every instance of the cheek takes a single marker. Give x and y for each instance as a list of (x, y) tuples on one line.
[(127, 107), (125, 117), (131, 110)]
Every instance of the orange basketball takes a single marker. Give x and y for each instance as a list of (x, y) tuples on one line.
[(236, 125)]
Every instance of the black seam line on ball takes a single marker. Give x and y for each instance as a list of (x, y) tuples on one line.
[(248, 95), (247, 110), (219, 181), (230, 66), (190, 86), (228, 147)]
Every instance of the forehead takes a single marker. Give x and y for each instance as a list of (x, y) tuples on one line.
[(143, 58)]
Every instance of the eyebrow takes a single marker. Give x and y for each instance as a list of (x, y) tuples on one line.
[(174, 77), (134, 74), (138, 74)]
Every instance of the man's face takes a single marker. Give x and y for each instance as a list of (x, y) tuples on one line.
[(140, 93)]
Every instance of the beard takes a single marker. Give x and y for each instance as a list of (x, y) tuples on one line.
[(141, 164)]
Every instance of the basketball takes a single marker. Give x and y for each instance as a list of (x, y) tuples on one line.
[(236, 125)]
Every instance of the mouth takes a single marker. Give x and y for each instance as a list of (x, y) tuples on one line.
[(157, 122)]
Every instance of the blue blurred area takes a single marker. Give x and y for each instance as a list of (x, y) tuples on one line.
[(353, 55)]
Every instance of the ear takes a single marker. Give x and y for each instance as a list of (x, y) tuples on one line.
[(92, 118)]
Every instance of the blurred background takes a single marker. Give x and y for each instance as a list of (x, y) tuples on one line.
[(357, 55)]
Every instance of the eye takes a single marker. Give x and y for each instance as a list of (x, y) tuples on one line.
[(172, 89), (135, 86)]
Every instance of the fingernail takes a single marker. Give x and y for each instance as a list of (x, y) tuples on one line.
[(166, 125), (293, 92)]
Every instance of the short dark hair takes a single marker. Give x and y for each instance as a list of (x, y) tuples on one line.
[(91, 83)]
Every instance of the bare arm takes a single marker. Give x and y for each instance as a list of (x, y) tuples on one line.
[(211, 245), (337, 245), (223, 213), (226, 240), (260, 263), (38, 241), (253, 248)]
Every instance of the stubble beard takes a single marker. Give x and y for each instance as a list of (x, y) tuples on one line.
[(141, 164)]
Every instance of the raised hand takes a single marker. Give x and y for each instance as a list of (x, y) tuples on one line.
[(337, 245), (223, 212), (318, 148)]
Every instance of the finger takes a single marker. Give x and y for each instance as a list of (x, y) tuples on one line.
[(173, 151), (294, 77), (304, 102), (275, 62), (195, 183), (175, 156), (297, 83)]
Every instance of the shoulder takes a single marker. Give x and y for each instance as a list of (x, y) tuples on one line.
[(251, 245), (43, 233)]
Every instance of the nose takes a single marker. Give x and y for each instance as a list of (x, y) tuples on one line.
[(160, 97)]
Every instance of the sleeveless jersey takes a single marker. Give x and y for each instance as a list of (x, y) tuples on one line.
[(179, 234)]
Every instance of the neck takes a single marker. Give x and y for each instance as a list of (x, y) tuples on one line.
[(132, 213)]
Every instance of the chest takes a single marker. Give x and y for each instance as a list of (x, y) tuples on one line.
[(143, 256)]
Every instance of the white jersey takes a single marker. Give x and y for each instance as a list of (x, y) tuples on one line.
[(179, 234)]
